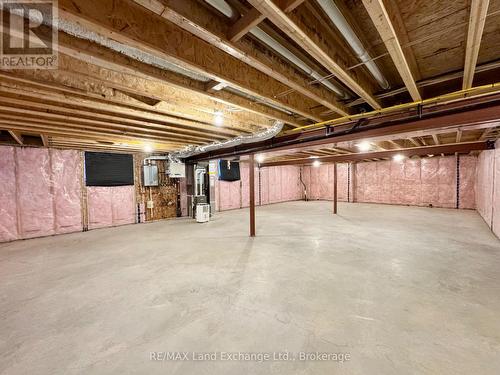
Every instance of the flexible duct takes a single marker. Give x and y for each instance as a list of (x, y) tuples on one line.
[(350, 36), (225, 9), (242, 139)]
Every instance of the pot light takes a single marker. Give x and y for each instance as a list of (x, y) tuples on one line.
[(218, 118), (364, 146), (260, 158), (316, 163), (148, 148), (398, 157)]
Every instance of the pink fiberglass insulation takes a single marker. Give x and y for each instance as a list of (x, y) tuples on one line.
[(34, 192), (123, 204), (419, 182), (319, 181), (66, 172), (264, 186), (495, 200), (245, 185), (8, 205), (228, 195), (289, 183), (100, 209), (467, 179), (484, 184), (272, 185), (110, 206), (495, 204)]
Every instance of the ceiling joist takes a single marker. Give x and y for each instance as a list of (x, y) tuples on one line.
[(378, 13), (315, 46), (477, 18)]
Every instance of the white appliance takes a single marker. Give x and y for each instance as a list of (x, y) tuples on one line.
[(176, 170), (202, 213)]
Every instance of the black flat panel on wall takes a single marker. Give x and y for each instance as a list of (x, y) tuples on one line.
[(104, 169), (229, 170)]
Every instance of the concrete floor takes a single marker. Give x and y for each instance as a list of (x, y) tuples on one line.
[(402, 290)]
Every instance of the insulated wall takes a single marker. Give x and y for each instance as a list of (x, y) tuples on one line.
[(488, 188), (110, 206), (272, 185), (419, 182), (41, 195), (40, 192), (320, 180)]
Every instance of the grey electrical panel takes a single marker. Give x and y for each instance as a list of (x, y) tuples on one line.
[(150, 175)]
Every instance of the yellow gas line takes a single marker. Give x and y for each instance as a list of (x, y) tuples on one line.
[(462, 94)]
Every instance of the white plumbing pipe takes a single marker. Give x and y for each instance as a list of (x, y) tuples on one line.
[(223, 7), (350, 36), (275, 45)]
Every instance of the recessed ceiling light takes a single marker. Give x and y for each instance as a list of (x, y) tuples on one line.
[(398, 157), (364, 146), (218, 118), (260, 158)]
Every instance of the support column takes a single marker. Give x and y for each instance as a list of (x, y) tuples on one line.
[(335, 188), (251, 167)]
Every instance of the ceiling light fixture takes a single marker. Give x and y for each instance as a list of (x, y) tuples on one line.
[(364, 146), (316, 163), (260, 158), (398, 157), (148, 148), (218, 118)]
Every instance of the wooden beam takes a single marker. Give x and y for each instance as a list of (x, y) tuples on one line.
[(289, 5), (251, 193), (164, 40), (315, 46), (378, 13), (459, 136), (245, 24), (50, 84), (42, 99), (477, 18), (253, 17), (117, 70), (213, 30), (436, 140), (412, 140), (397, 21), (45, 140), (17, 137), (408, 152)]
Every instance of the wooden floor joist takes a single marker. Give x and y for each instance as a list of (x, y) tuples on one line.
[(314, 46), (477, 18)]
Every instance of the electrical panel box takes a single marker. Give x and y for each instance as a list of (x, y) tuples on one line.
[(150, 175), (176, 170)]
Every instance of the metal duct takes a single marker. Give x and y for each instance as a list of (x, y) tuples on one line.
[(242, 139), (225, 9), (350, 36)]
